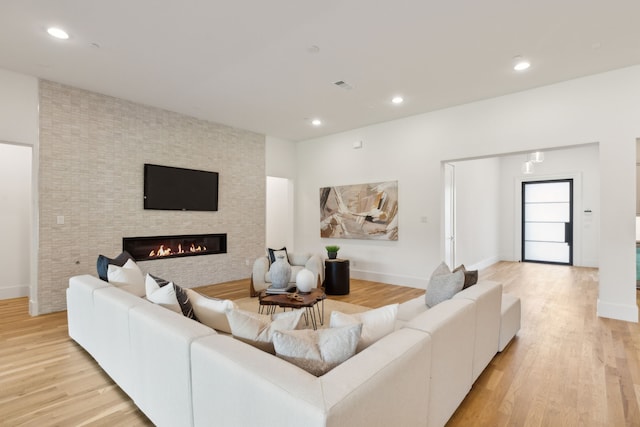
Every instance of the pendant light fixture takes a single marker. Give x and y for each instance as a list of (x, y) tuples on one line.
[(536, 157)]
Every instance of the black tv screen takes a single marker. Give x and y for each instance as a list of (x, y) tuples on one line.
[(170, 188)]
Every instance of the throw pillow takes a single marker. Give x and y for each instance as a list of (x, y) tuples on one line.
[(319, 351), (103, 262), (470, 276), (273, 254), (258, 329), (376, 323), (169, 295), (211, 311), (443, 284), (129, 277)]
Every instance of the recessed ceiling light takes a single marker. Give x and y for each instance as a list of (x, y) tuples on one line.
[(57, 33), (520, 63), (397, 100), (316, 122)]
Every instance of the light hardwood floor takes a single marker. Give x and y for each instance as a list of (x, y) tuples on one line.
[(567, 367)]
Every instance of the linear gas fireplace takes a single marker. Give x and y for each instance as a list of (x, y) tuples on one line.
[(161, 247)]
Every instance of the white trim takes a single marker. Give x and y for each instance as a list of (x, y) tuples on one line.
[(628, 313), (34, 308), (392, 279), (484, 263), (14, 292)]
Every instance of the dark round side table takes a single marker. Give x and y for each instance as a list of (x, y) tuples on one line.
[(336, 276)]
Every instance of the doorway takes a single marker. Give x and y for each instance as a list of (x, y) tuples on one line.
[(279, 213), (547, 221), (15, 219)]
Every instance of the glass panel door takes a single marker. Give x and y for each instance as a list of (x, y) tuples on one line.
[(547, 221)]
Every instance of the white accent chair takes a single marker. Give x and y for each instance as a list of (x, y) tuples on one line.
[(261, 279)]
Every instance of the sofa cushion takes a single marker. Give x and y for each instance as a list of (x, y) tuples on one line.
[(470, 276), (129, 277), (376, 323), (169, 295), (103, 262), (273, 254), (317, 351), (211, 311), (443, 285), (257, 329)]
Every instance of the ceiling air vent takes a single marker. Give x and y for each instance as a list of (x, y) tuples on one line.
[(343, 85)]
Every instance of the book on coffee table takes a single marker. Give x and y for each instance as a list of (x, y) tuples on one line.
[(278, 291)]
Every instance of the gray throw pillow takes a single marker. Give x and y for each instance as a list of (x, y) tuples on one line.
[(443, 285)]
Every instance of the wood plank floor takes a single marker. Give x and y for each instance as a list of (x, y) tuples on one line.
[(567, 367)]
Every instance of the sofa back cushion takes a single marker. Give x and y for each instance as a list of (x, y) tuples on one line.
[(211, 311), (376, 323), (257, 329), (129, 277), (317, 351)]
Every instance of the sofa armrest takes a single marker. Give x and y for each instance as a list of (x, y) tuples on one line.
[(315, 264)]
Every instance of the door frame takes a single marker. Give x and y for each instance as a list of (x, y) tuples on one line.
[(571, 216), (449, 214), (577, 211)]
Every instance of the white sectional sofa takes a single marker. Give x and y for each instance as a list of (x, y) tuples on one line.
[(182, 373)]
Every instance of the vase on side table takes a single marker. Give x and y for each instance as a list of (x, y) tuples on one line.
[(280, 272)]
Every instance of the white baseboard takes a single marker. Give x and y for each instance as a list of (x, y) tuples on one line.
[(628, 313), (14, 292), (484, 263), (392, 279)]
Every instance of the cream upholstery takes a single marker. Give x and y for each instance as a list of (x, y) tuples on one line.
[(450, 326), (81, 320), (510, 319), (488, 298), (384, 385), (181, 372), (261, 279)]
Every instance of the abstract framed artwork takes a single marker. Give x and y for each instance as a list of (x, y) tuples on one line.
[(361, 211)]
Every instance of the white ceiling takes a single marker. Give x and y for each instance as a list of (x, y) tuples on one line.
[(246, 63)]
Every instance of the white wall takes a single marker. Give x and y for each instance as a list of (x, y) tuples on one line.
[(15, 220), (477, 187), (280, 159), (279, 215), (19, 126), (18, 108), (603, 109)]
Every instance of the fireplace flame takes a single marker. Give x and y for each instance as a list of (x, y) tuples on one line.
[(162, 251)]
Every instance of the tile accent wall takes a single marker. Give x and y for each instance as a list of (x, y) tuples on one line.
[(92, 151)]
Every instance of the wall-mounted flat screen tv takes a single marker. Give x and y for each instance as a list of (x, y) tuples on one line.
[(169, 188)]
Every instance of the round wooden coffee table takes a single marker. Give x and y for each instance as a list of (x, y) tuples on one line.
[(309, 301)]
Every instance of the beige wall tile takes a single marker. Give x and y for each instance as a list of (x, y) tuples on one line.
[(92, 151)]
